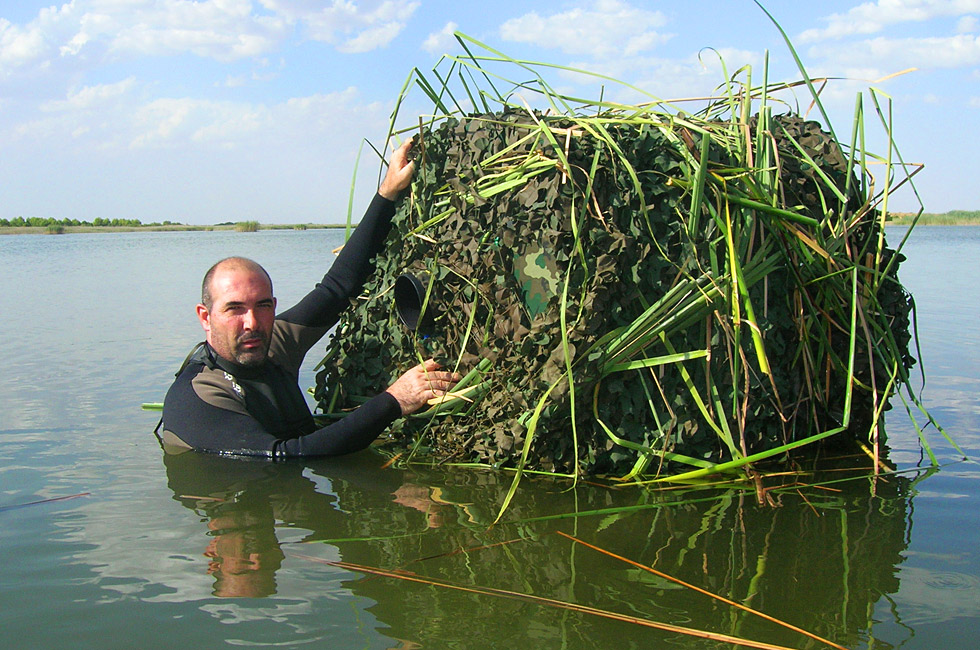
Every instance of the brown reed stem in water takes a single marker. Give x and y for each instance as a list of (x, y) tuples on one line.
[(703, 591), (560, 604), (51, 500)]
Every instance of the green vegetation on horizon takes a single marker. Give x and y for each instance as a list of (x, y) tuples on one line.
[(98, 222), (951, 218), (52, 226)]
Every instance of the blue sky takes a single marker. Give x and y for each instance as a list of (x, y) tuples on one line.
[(222, 110)]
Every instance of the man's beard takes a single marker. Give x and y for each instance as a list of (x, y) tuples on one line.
[(252, 357)]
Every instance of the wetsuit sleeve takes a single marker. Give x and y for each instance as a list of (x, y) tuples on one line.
[(322, 306), (201, 414), (354, 432)]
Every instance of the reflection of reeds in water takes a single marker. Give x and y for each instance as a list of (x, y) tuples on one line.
[(814, 566), (731, 603), (402, 574), (560, 604)]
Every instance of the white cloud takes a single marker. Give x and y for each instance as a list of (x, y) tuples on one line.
[(28, 44), (17, 45), (441, 41), (221, 29), (96, 111), (193, 159), (899, 53), (90, 97), (609, 29), (697, 75), (372, 39), (966, 25), (872, 17), (356, 27), (117, 117), (161, 121), (75, 45), (236, 81), (224, 30)]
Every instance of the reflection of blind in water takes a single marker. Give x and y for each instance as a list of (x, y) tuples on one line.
[(821, 563)]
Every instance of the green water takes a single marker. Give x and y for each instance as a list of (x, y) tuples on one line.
[(191, 550)]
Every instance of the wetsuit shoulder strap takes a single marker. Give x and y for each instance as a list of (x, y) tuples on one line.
[(190, 355)]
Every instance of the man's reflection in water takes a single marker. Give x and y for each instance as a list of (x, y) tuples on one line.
[(244, 554), (234, 496), (244, 500)]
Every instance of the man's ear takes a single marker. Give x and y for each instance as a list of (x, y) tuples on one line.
[(204, 316)]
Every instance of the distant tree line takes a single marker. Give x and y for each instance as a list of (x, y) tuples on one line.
[(44, 222)]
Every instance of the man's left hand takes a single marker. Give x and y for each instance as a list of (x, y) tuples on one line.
[(399, 175), (425, 381)]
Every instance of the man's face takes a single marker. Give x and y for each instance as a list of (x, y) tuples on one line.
[(239, 323)]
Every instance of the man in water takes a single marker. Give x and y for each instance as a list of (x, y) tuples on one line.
[(238, 391)]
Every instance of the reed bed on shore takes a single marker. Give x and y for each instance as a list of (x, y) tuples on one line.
[(247, 226)]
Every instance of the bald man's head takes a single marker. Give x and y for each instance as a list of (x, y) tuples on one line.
[(229, 264), (238, 310)]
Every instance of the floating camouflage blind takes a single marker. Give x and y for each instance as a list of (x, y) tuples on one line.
[(632, 293)]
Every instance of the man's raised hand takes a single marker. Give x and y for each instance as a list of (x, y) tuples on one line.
[(399, 174)]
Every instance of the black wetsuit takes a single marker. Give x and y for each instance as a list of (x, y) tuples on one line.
[(216, 405)]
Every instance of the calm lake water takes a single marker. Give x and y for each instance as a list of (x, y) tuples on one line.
[(200, 551)]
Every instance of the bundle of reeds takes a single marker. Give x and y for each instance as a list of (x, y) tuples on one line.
[(632, 289)]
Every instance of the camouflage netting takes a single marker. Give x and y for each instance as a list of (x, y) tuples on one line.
[(519, 241)]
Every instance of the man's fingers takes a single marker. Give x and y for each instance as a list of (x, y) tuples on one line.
[(442, 380), (431, 370), (424, 383), (442, 396), (399, 174)]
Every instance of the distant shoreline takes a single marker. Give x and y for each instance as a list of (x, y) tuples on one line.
[(953, 218), (70, 230)]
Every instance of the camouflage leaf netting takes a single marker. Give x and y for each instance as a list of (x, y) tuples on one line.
[(704, 309)]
